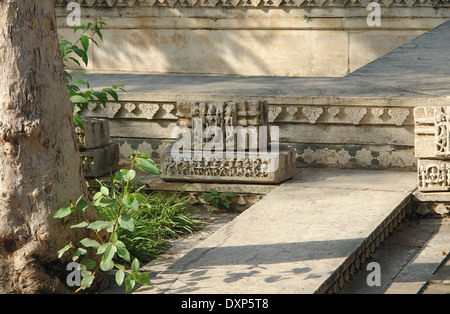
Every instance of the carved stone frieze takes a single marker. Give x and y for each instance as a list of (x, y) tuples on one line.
[(224, 122), (253, 3), (270, 167), (226, 141), (342, 115)]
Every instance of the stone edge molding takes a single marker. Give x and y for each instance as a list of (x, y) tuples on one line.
[(257, 3), (308, 114)]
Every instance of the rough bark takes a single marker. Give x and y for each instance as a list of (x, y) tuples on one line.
[(39, 161)]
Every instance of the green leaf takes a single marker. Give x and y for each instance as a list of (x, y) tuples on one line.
[(214, 192), (227, 194), (101, 96), (114, 238), (64, 249), (112, 93), (90, 264), (97, 196), (100, 224), (126, 222), (130, 201), (124, 175), (106, 265), (102, 248), (82, 54), (87, 281), (143, 279), (75, 60), (99, 33), (83, 206), (90, 243), (105, 202), (85, 42), (120, 275), (135, 265), (208, 197), (78, 253), (225, 203), (109, 253), (129, 284), (63, 212), (147, 165), (80, 225), (77, 120), (104, 190), (139, 154), (79, 81), (78, 99), (122, 251)]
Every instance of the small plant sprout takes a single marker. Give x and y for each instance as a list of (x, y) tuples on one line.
[(216, 199)]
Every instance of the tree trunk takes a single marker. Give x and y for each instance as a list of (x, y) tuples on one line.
[(39, 160)]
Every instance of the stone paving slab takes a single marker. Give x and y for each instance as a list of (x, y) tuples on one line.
[(429, 267), (297, 239)]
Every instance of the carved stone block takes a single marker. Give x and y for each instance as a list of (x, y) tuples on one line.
[(434, 175), (228, 122), (98, 162), (432, 132), (95, 134), (246, 166)]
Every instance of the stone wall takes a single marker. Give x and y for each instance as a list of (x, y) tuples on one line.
[(249, 37)]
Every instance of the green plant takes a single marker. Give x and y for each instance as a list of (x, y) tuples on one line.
[(74, 52), (158, 218), (122, 205), (216, 199)]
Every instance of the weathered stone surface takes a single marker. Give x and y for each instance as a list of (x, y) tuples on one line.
[(270, 167), (303, 237), (434, 175), (432, 132), (95, 133), (100, 161), (205, 37)]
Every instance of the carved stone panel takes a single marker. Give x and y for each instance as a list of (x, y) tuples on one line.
[(432, 132), (270, 167), (434, 175), (235, 124)]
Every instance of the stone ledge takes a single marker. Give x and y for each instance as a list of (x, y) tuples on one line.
[(255, 3)]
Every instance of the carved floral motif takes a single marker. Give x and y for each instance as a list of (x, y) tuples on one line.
[(254, 168), (312, 113)]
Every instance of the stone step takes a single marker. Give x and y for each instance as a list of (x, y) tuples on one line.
[(307, 236)]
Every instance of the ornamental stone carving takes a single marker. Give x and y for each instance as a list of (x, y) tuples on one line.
[(253, 3), (226, 141)]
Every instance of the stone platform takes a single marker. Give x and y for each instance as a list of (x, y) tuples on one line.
[(307, 236), (362, 120)]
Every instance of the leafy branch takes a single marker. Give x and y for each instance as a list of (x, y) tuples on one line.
[(76, 51)]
